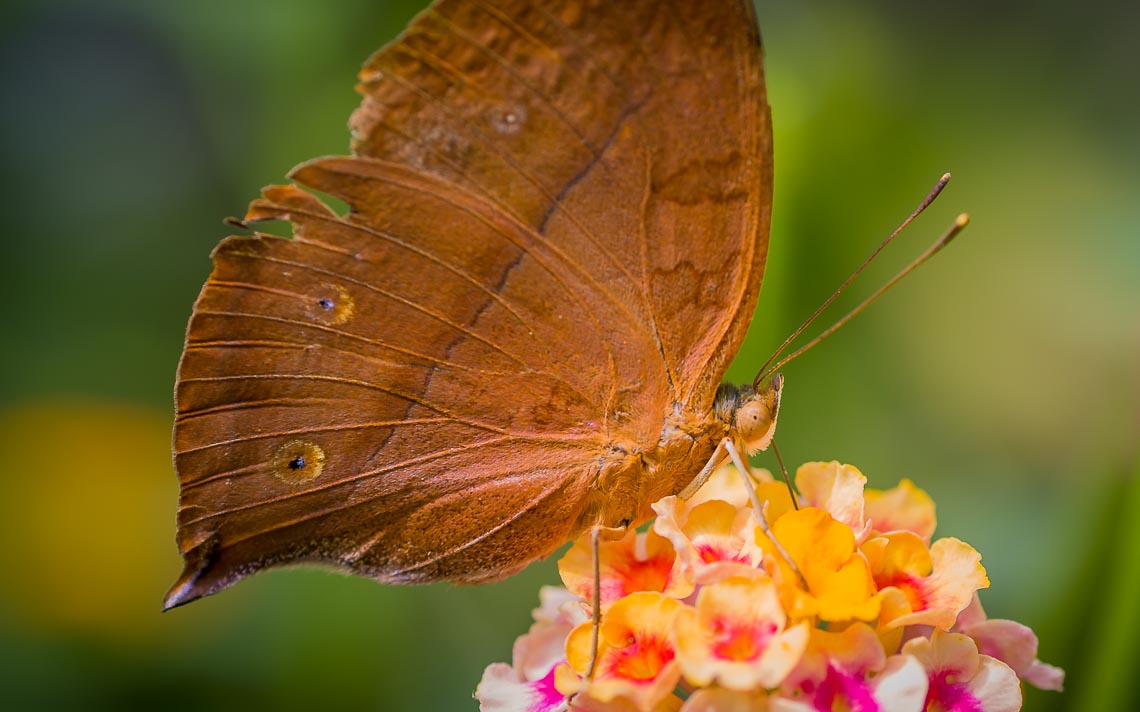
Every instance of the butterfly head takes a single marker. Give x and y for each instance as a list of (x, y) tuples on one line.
[(751, 413)]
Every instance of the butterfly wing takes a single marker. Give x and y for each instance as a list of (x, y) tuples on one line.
[(426, 388)]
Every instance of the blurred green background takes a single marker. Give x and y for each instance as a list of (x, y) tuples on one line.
[(1004, 378)]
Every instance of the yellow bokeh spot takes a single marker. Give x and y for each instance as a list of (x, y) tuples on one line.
[(88, 513)]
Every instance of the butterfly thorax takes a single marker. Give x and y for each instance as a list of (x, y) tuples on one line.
[(631, 479)]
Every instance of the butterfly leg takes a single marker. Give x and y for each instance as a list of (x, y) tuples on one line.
[(718, 456), (595, 541), (746, 476), (598, 533)]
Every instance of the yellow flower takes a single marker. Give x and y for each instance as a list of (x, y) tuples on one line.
[(838, 579)]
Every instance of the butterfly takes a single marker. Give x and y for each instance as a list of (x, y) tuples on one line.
[(558, 226)]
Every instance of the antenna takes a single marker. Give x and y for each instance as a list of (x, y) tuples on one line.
[(765, 371), (959, 224)]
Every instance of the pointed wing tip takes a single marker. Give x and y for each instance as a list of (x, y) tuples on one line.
[(179, 594), (199, 576), (188, 588)]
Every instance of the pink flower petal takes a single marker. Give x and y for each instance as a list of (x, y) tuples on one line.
[(1016, 645), (503, 690), (1012, 643)]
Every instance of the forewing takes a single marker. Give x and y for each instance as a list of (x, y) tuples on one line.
[(635, 135)]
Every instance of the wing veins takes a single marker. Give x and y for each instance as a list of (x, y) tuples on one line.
[(463, 330), (466, 276), (350, 382), (322, 429), (565, 258), (521, 228), (489, 532), (344, 334), (410, 462), (254, 287), (435, 362), (224, 474), (263, 403), (350, 480), (441, 318), (502, 61), (643, 245), (523, 436), (585, 52)]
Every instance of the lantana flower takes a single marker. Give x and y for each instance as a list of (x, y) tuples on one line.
[(843, 604), (850, 670), (736, 636), (639, 561), (710, 538), (923, 586), (636, 653), (961, 679)]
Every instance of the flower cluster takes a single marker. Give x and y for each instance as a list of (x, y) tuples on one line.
[(849, 605)]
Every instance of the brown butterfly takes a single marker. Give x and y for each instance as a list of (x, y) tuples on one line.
[(558, 227)]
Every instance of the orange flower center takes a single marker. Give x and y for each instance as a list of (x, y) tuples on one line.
[(649, 575), (738, 641), (642, 659), (719, 551), (911, 586)]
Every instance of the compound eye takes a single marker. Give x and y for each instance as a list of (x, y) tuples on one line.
[(752, 420), (756, 422)]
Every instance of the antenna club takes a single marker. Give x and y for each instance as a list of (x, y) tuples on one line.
[(959, 224), (944, 179)]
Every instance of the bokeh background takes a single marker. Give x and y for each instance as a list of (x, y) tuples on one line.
[(1004, 377)]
